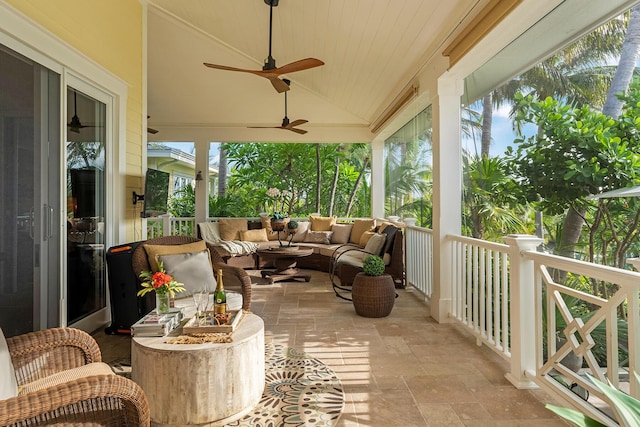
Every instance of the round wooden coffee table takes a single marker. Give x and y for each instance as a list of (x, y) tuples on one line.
[(201, 384), (285, 260)]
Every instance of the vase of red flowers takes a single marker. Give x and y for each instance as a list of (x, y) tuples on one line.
[(164, 285)]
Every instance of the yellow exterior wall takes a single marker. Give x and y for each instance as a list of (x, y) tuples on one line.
[(110, 32)]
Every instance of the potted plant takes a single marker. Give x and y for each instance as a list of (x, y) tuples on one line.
[(164, 285), (373, 292), (292, 227)]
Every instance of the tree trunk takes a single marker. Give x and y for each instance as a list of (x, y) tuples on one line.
[(352, 197), (626, 65), (571, 229), (334, 186), (318, 177), (487, 119), (222, 172)]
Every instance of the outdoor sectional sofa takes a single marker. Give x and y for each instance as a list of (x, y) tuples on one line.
[(236, 241)]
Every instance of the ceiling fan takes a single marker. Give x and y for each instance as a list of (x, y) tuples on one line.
[(269, 70), (286, 124), (75, 125)]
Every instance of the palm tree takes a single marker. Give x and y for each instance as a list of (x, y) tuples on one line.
[(626, 65), (222, 172), (489, 191), (358, 154)]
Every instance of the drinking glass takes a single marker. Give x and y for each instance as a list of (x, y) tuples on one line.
[(201, 301)]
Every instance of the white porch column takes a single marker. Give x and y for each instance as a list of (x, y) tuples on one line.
[(377, 178), (202, 187), (447, 190), (522, 310)]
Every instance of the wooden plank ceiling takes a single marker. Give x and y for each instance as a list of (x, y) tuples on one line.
[(372, 49)]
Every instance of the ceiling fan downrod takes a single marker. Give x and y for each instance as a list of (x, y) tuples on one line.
[(270, 63), (285, 121)]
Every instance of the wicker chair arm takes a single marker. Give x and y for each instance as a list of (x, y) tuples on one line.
[(101, 399), (41, 353)]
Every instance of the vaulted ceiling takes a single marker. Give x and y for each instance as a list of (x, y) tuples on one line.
[(372, 49)]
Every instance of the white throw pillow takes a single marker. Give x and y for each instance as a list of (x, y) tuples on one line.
[(341, 233), (375, 244), (192, 269), (8, 383), (301, 231)]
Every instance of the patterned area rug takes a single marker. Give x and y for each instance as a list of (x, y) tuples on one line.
[(299, 391)]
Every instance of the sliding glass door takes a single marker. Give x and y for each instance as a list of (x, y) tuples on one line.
[(85, 166), (30, 234)]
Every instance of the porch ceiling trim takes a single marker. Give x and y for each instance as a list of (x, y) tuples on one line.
[(488, 18)]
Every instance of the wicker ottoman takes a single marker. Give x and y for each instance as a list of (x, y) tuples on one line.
[(373, 296)]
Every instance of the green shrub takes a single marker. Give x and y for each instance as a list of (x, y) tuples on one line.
[(373, 266)]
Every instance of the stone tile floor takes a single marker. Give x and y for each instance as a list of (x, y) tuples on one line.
[(402, 370)]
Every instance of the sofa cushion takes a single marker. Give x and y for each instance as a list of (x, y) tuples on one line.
[(301, 232), (364, 239), (322, 223), (259, 235), (352, 258), (73, 374), (375, 244), (192, 269), (154, 250), (330, 250), (360, 226), (318, 237), (8, 382), (230, 228), (210, 232), (341, 233)]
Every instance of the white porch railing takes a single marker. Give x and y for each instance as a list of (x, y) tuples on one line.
[(419, 258), (480, 291), (168, 225), (506, 296)]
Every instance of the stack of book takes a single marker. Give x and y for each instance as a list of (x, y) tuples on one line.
[(157, 325)]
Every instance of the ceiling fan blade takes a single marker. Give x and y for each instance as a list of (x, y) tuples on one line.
[(152, 131), (272, 75), (278, 84), (224, 67), (301, 65), (265, 127), (300, 131), (298, 122)]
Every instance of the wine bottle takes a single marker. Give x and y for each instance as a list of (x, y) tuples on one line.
[(220, 297)]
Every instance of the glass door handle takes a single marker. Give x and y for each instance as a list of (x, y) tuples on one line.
[(31, 222), (48, 222)]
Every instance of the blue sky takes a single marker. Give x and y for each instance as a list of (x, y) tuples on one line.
[(501, 131)]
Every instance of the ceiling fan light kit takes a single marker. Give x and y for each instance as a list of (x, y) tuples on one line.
[(270, 71)]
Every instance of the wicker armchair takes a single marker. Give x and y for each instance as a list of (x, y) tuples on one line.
[(235, 278), (98, 400)]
